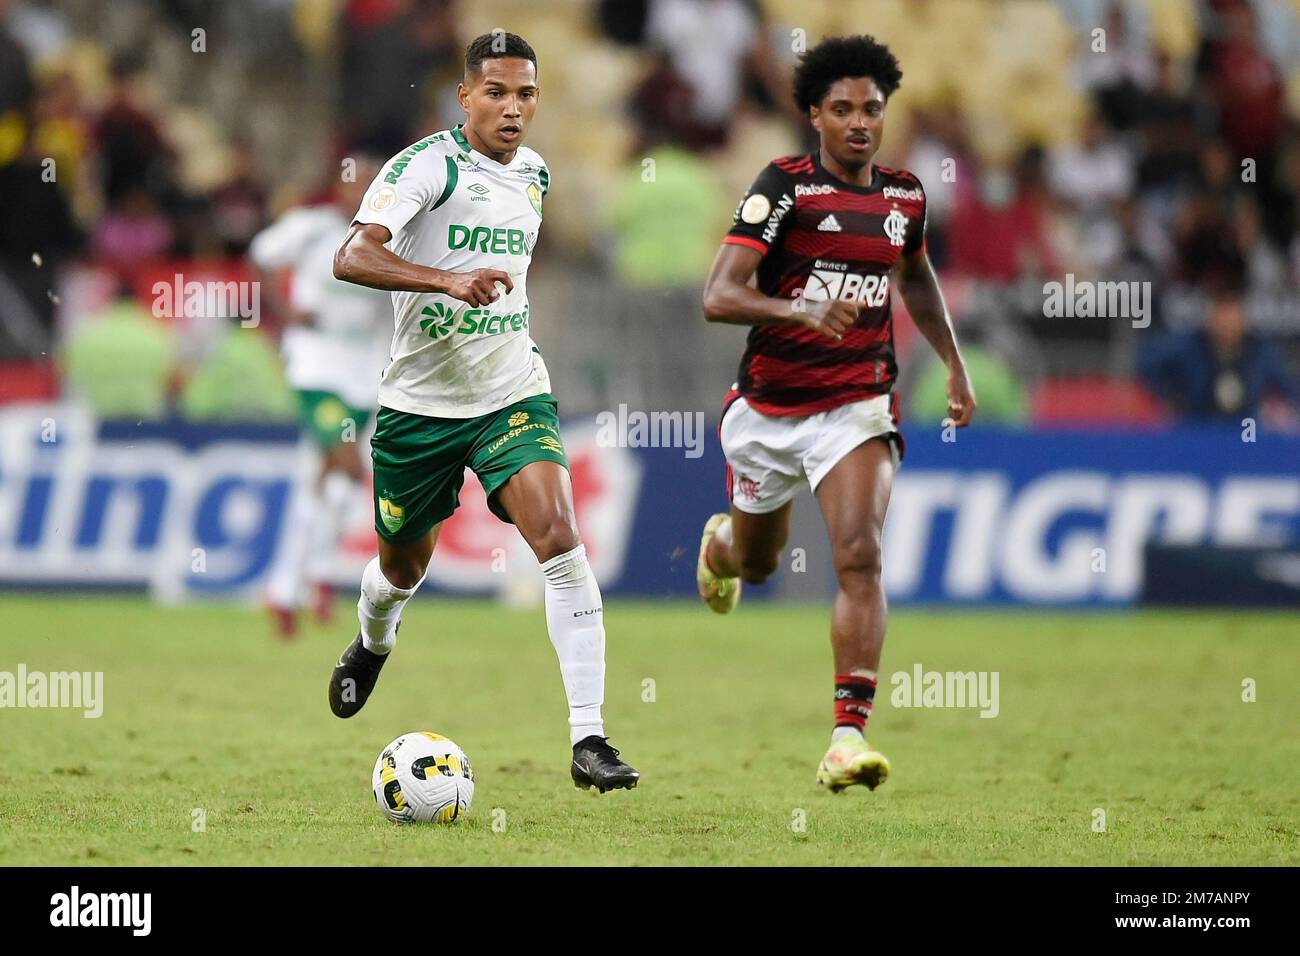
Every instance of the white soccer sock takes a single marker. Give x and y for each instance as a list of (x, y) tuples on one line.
[(380, 608), (574, 618), (284, 586)]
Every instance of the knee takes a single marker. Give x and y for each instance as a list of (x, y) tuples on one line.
[(858, 562), (558, 535), (757, 568), (403, 571)]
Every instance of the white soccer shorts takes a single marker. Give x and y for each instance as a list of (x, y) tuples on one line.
[(769, 457)]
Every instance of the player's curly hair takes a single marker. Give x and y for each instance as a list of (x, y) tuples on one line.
[(837, 57), (494, 46)]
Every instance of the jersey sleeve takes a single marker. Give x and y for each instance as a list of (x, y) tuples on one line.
[(914, 241), (760, 215), (408, 184)]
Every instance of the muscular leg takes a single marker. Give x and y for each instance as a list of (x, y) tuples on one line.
[(853, 500), (539, 500), (749, 545), (388, 582), (404, 564)]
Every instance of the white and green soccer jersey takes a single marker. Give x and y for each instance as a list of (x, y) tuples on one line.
[(451, 207)]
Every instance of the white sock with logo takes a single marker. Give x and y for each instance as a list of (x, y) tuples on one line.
[(380, 608), (575, 620)]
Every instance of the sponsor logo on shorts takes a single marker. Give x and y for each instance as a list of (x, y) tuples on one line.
[(391, 514), (748, 488), (516, 432), (551, 444)]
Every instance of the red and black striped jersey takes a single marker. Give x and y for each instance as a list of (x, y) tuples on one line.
[(822, 238)]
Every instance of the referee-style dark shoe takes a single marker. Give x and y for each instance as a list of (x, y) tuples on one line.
[(354, 678), (596, 764)]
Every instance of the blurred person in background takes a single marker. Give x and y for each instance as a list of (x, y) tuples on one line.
[(134, 157), (395, 54), (1222, 373), (38, 239), (710, 56), (939, 151), (1168, 140), (237, 208), (1093, 172), (238, 378), (121, 362), (334, 346), (1205, 235), (1004, 399), (16, 89), (1119, 74), (666, 224), (1000, 229)]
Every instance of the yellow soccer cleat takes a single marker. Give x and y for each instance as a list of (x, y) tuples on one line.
[(720, 594), (851, 761)]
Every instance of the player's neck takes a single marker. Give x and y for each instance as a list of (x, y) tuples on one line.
[(853, 175), (505, 159)]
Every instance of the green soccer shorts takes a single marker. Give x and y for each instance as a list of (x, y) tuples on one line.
[(420, 461), (328, 419)]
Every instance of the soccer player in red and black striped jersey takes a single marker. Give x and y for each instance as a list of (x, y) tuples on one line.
[(817, 245)]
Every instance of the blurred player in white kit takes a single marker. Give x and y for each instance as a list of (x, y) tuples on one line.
[(335, 346)]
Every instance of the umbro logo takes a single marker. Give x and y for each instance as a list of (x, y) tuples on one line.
[(829, 224)]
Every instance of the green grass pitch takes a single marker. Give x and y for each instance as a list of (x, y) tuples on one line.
[(1140, 715)]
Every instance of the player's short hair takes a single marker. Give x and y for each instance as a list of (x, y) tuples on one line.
[(494, 46), (838, 57)]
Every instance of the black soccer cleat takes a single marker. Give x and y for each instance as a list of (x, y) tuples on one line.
[(354, 678), (596, 764)]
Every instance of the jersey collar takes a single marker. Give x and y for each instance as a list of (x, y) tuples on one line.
[(877, 180), (458, 134)]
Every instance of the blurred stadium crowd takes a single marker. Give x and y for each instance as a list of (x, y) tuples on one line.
[(1112, 140)]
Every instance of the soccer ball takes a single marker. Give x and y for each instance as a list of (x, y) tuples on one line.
[(423, 778)]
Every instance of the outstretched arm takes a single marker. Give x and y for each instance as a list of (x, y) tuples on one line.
[(363, 259), (920, 291)]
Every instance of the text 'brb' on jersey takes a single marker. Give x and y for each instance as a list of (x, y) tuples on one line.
[(822, 238), (451, 207)]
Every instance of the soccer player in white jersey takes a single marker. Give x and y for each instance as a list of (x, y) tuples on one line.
[(449, 228), (334, 348)]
